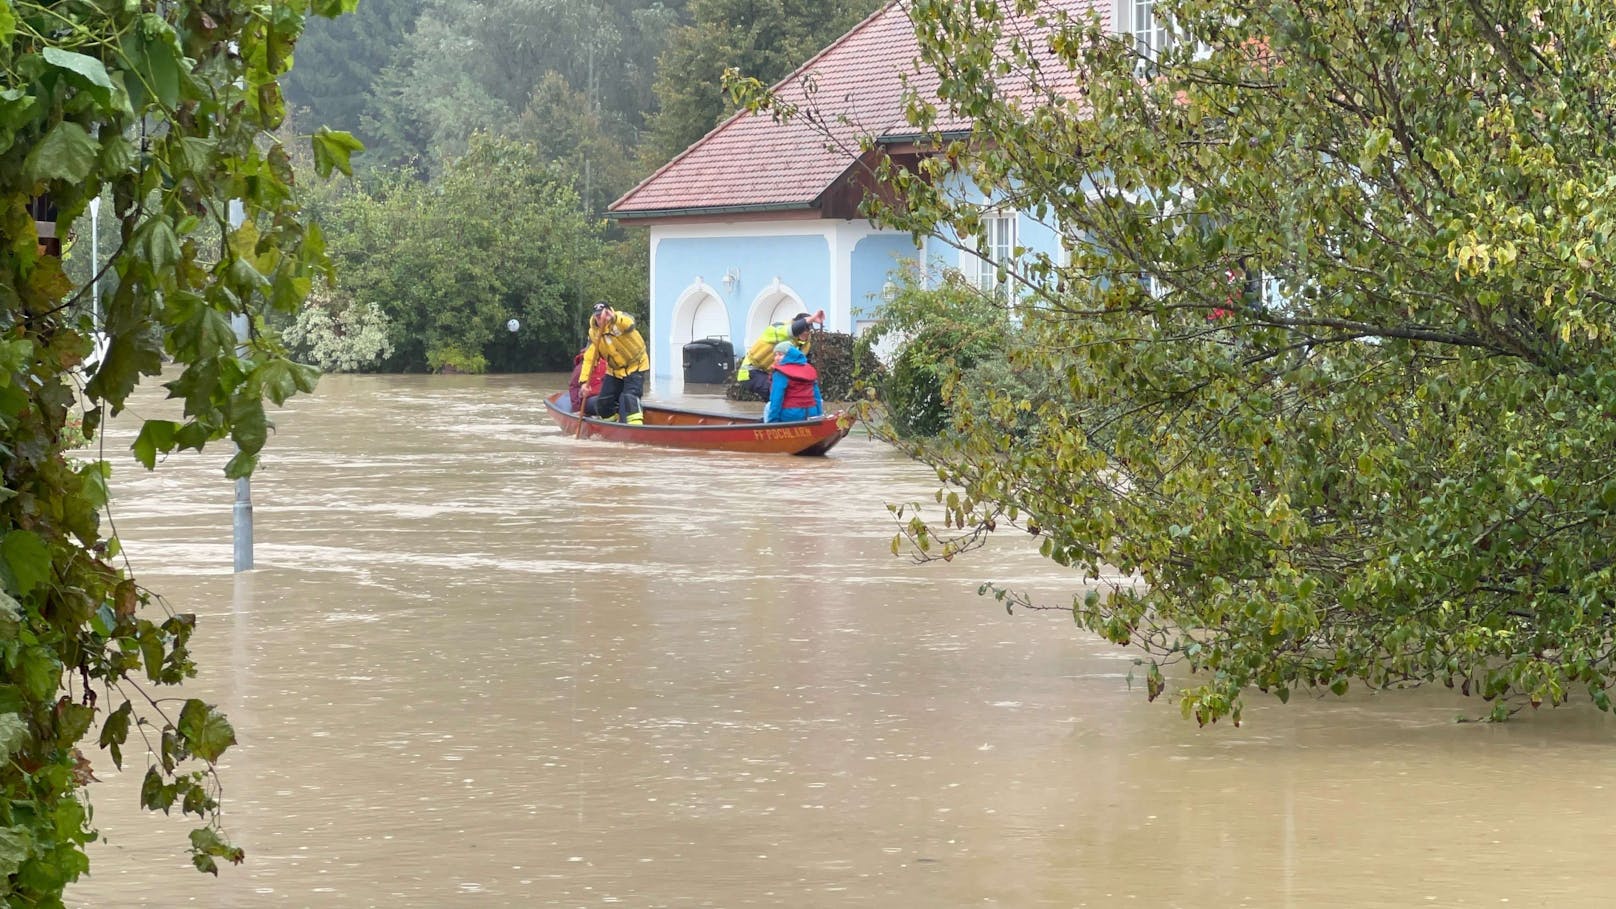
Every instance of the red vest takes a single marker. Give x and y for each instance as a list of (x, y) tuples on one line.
[(800, 387)]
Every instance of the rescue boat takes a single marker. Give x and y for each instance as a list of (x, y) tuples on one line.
[(672, 427)]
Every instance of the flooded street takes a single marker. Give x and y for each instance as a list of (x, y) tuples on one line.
[(483, 664)]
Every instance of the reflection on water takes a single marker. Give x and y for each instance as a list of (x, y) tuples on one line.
[(481, 663)]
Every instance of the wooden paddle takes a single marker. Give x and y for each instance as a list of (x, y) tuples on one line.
[(583, 395)]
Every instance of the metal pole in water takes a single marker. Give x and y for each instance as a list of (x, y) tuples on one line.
[(95, 271), (242, 520)]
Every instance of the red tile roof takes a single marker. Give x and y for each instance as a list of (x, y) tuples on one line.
[(750, 161)]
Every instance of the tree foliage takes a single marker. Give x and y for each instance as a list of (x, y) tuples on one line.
[(339, 336), (169, 112), (942, 334), (1332, 345), (500, 235), (473, 66), (340, 63)]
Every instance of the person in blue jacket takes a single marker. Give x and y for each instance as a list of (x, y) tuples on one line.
[(795, 392)]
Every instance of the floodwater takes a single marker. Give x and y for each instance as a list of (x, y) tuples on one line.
[(483, 664)]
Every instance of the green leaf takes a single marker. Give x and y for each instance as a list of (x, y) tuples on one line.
[(280, 379), (69, 818), (41, 673), (15, 845), (154, 795), (153, 51), (30, 562), (152, 655), (72, 722), (162, 244), (115, 731), (17, 110), (200, 331), (249, 427), (8, 22), (11, 616), (155, 436), (95, 475), (206, 840), (67, 153), (14, 734), (333, 148), (83, 70), (241, 466), (130, 355), (206, 731)]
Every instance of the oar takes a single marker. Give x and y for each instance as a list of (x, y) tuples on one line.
[(583, 394)]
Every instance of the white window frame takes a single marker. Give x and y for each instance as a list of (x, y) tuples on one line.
[(1150, 33), (983, 270)]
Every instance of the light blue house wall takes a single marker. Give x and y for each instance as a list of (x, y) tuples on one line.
[(1033, 235), (737, 270), (875, 260)]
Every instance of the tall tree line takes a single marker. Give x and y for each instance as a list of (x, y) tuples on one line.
[(611, 89)]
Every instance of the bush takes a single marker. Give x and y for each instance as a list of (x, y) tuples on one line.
[(455, 360), (845, 365), (339, 338), (914, 394), (946, 332)]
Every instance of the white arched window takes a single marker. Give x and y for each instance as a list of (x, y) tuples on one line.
[(701, 315), (777, 303)]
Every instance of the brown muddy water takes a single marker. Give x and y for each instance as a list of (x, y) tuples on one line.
[(483, 664)]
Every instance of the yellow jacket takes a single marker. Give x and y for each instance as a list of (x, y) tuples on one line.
[(620, 343), (761, 354)]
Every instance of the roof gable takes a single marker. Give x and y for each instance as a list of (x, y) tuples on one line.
[(750, 161)]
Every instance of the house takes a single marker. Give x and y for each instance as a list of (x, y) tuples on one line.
[(759, 220)]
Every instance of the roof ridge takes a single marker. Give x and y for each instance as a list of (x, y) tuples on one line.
[(710, 134)]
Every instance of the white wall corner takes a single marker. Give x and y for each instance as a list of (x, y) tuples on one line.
[(651, 305)]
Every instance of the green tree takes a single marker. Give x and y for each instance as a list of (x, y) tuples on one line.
[(946, 331), (499, 235), (340, 63), (170, 113), (763, 39), (477, 65), (569, 131), (1333, 342)]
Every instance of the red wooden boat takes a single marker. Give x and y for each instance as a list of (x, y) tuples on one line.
[(674, 428)]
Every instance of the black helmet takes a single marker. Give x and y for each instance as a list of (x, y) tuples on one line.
[(799, 327)]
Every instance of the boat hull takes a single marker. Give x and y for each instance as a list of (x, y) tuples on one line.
[(669, 427)]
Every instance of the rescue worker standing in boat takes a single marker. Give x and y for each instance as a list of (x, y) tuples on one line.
[(612, 336)]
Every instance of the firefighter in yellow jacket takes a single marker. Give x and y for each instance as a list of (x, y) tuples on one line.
[(612, 335), (755, 368)]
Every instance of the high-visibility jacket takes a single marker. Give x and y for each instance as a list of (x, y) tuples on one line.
[(761, 354), (621, 346)]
